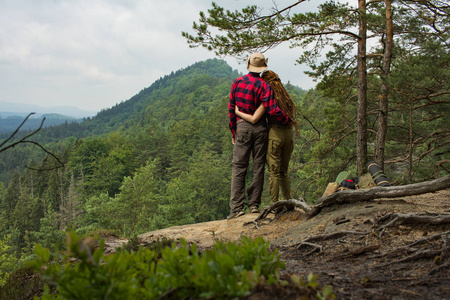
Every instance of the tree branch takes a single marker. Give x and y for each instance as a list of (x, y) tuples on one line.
[(25, 140), (17, 130)]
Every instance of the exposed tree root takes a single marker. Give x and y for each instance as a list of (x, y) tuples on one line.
[(349, 196), (358, 252), (279, 206), (440, 268), (323, 237), (316, 247), (438, 255), (419, 255), (399, 218), (427, 239)]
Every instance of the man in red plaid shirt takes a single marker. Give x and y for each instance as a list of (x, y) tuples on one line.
[(247, 93)]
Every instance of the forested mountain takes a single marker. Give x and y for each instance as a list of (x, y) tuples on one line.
[(170, 99)]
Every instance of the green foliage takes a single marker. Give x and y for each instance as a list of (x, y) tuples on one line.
[(226, 271), (8, 261), (2, 190), (84, 158), (419, 135), (109, 171), (137, 201), (134, 243), (246, 264), (98, 214), (207, 181), (327, 291), (49, 233)]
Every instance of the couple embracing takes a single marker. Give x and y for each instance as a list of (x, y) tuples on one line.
[(261, 119)]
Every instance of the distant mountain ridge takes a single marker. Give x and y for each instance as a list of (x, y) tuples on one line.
[(13, 114), (8, 109), (9, 123)]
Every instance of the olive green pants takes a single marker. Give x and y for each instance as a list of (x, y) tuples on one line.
[(279, 151)]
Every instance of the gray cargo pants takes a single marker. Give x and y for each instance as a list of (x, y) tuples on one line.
[(249, 139)]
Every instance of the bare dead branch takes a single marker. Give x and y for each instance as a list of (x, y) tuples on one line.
[(48, 152), (16, 131), (25, 140), (441, 165), (312, 125)]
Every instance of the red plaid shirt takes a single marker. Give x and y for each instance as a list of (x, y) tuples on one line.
[(247, 92)]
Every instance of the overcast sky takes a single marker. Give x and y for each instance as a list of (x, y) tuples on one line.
[(92, 54)]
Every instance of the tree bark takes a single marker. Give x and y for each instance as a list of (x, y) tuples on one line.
[(383, 105), (348, 196), (361, 137)]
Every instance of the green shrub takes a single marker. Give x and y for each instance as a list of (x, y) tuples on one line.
[(226, 271)]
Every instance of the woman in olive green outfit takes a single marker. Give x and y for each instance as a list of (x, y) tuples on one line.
[(281, 142)]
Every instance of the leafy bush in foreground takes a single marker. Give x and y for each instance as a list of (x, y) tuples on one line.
[(227, 270)]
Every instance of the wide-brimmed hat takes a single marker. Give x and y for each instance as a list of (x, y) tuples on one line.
[(257, 63)]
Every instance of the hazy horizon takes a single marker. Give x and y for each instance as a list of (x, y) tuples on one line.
[(23, 109)]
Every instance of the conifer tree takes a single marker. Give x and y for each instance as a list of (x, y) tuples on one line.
[(250, 29)]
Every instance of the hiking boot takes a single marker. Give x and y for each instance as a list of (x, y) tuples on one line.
[(254, 210), (235, 214)]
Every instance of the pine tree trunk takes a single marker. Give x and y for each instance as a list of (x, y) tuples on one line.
[(361, 137), (383, 105)]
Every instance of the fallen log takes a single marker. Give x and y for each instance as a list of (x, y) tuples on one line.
[(349, 196)]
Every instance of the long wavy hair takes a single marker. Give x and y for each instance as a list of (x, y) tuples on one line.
[(282, 97)]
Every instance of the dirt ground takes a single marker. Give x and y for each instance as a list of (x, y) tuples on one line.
[(359, 249)]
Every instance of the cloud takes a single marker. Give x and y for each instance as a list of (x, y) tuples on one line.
[(96, 53)]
